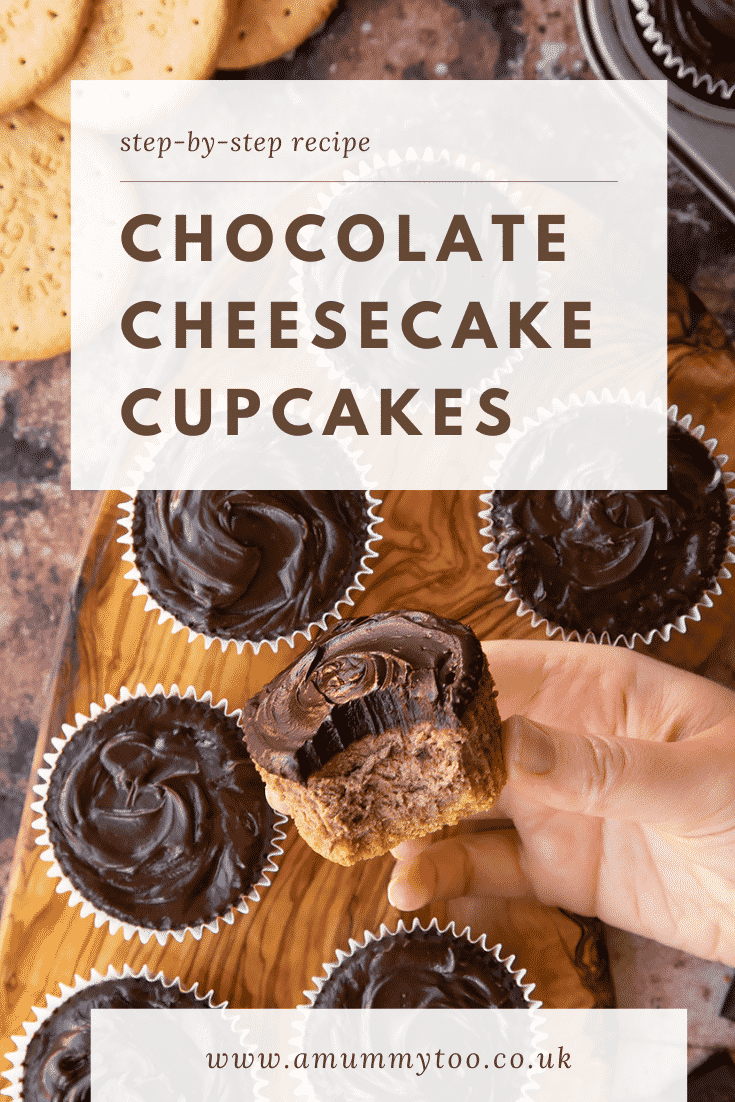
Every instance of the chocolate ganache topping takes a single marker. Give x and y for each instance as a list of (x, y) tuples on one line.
[(718, 15), (420, 969), (57, 1062), (617, 562), (365, 676), (702, 33), (157, 815), (249, 565)]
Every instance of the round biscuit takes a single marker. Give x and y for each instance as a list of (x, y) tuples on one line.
[(38, 39), (35, 223), (142, 40), (262, 30)]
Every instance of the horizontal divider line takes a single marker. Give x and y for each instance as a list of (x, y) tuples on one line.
[(366, 181)]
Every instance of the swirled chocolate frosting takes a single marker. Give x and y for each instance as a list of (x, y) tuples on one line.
[(417, 970), (617, 562), (249, 565), (57, 1062), (365, 676), (702, 33), (719, 15), (157, 815)]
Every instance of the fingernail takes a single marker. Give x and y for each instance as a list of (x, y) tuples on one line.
[(535, 750), (407, 890), (400, 894)]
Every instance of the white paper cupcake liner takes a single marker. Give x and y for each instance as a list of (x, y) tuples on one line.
[(76, 897), (495, 951), (717, 88), (531, 1023), (348, 598), (574, 408), (663, 633), (16, 1058)]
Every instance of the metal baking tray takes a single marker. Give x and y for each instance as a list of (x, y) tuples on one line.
[(701, 133)]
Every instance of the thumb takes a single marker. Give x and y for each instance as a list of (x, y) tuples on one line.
[(678, 784)]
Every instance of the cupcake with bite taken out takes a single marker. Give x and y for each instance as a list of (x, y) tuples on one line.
[(385, 729)]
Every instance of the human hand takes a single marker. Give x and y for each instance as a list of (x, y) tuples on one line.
[(621, 792)]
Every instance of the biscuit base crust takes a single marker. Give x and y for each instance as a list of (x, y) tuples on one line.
[(388, 788)]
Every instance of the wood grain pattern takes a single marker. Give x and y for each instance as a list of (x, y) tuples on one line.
[(430, 558)]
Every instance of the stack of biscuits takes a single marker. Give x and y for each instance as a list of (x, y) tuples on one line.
[(44, 45)]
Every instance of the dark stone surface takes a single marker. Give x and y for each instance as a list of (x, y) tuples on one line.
[(714, 1080), (701, 246), (406, 40), (727, 1010), (41, 526), (23, 459)]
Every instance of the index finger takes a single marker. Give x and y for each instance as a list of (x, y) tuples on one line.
[(474, 865), (276, 802), (598, 690)]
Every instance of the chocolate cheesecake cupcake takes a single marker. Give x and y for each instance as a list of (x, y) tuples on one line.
[(420, 968), (607, 566), (414, 969), (53, 1056), (249, 566), (155, 817), (694, 41), (385, 729), (408, 282)]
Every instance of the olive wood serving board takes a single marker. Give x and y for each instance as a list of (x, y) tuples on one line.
[(430, 557)]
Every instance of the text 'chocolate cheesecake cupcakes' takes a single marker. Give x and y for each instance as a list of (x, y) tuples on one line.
[(385, 729)]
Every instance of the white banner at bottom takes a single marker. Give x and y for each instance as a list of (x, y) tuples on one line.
[(413, 1055)]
